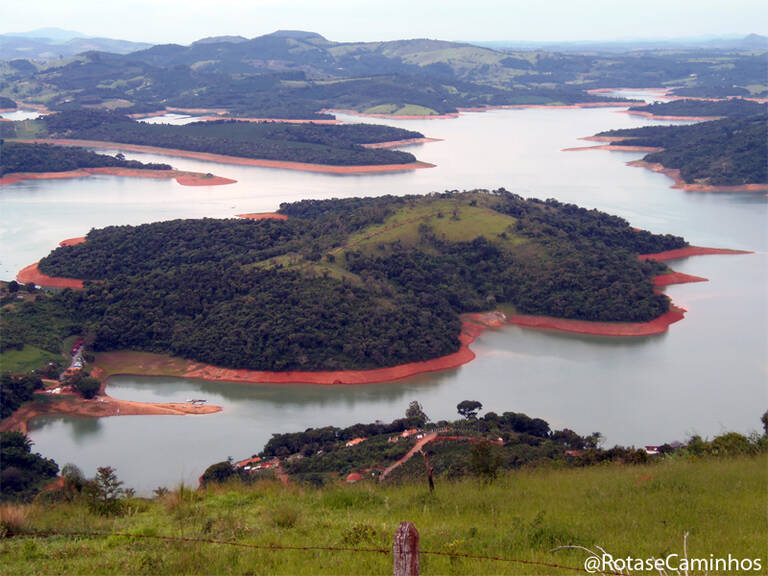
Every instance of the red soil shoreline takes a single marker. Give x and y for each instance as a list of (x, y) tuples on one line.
[(182, 177), (689, 251), (681, 184), (32, 274), (124, 363), (99, 407), (282, 164), (72, 241)]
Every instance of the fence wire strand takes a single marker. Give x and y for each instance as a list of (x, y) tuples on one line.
[(275, 547)]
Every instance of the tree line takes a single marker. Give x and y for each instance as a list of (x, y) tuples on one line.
[(22, 157)]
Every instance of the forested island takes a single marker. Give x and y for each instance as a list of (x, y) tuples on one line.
[(703, 108), (726, 152), (336, 145), (23, 157), (342, 284)]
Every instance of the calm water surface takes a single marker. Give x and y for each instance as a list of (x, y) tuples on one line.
[(706, 375)]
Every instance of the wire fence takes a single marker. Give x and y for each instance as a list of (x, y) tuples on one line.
[(282, 547)]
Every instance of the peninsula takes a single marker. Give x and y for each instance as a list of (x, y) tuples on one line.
[(333, 148), (357, 284)]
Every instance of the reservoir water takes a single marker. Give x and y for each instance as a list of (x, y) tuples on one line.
[(708, 374)]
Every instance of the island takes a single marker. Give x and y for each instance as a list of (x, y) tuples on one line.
[(23, 161), (349, 148), (355, 284)]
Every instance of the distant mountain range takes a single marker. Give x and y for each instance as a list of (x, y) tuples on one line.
[(54, 43), (297, 74), (749, 42)]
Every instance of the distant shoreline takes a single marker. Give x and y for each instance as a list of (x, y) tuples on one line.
[(237, 160), (462, 110), (182, 177)]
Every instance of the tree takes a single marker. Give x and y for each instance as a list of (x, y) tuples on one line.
[(469, 408), (87, 386), (108, 490), (416, 412), (74, 481), (13, 286), (485, 462), (765, 422), (219, 473)]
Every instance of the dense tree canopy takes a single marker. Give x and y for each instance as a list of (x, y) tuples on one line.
[(731, 151), (311, 143), (20, 157), (329, 289)]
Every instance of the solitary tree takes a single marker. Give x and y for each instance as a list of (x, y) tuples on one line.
[(469, 408), (108, 489), (416, 412)]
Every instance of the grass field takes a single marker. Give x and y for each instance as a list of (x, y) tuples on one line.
[(449, 219), (640, 511), (406, 110), (25, 360)]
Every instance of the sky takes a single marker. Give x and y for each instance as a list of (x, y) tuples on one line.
[(183, 21)]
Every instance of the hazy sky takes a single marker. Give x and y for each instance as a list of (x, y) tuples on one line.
[(183, 21)]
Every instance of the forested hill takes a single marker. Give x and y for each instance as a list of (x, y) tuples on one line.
[(21, 157), (338, 145), (726, 152), (686, 107), (356, 283)]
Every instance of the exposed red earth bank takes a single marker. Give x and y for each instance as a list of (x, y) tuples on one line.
[(681, 184), (285, 165), (101, 406), (183, 178), (32, 274)]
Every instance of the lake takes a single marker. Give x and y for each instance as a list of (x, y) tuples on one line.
[(706, 375)]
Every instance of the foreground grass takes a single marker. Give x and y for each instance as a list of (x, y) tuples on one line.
[(641, 511)]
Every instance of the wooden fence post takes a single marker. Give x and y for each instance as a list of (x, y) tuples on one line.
[(405, 550)]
